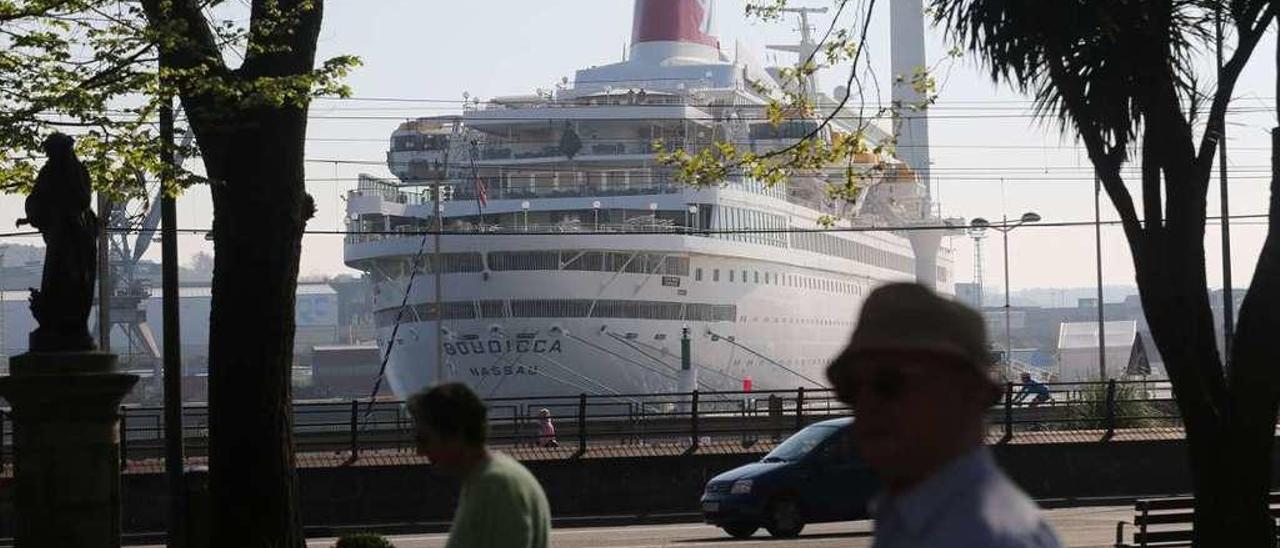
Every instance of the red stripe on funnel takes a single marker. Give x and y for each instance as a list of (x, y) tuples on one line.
[(672, 21)]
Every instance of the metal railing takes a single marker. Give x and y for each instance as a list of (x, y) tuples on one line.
[(672, 423)]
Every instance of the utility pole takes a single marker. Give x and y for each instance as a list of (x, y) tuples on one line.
[(1008, 330), (437, 268), (1102, 324), (173, 456), (104, 273), (437, 264), (1228, 293), (4, 332)]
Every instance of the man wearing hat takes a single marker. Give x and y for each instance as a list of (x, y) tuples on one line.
[(916, 375)]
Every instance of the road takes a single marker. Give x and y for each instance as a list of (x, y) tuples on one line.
[(1092, 527)]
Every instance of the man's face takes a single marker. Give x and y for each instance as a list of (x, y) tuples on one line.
[(910, 409), (443, 452)]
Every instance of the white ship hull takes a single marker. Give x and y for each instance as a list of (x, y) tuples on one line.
[(566, 332)]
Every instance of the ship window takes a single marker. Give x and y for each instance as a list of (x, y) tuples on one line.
[(591, 261), (492, 309), (524, 260), (676, 266)]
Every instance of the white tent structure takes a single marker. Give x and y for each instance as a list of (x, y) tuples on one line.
[(1078, 351)]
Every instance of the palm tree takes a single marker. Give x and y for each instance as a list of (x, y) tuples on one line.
[(1121, 75)]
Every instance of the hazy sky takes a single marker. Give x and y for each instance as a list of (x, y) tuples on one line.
[(990, 156)]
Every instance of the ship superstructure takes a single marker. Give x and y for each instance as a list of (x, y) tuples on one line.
[(572, 261)]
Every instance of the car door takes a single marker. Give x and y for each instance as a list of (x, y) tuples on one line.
[(837, 483)]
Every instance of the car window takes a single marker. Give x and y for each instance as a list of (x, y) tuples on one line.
[(800, 444), (838, 449)]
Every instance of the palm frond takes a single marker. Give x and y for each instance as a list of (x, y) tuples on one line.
[(1092, 63)]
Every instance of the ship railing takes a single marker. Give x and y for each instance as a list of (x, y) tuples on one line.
[(591, 147), (392, 195), (495, 191), (668, 423), (639, 227)]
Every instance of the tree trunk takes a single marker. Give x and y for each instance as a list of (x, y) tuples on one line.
[(252, 138), (260, 212), (1230, 426), (1247, 464)]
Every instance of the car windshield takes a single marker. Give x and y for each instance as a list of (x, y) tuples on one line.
[(799, 445)]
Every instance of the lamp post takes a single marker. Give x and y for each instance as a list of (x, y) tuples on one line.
[(691, 220), (524, 206), (653, 215), (595, 210), (978, 233), (1005, 228)]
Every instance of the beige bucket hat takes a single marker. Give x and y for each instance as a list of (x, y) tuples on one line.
[(908, 317)]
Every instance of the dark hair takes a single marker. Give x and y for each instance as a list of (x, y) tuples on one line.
[(453, 411)]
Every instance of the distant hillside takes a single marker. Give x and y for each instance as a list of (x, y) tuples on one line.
[(1060, 297)]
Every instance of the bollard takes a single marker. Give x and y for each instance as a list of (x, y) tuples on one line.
[(1109, 420), (355, 430), (693, 422), (582, 425), (1008, 411)]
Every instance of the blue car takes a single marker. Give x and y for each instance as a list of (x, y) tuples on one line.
[(814, 476)]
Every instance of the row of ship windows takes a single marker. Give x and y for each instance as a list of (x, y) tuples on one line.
[(737, 218), (785, 280), (577, 260), (560, 308), (827, 244), (740, 364), (796, 321)]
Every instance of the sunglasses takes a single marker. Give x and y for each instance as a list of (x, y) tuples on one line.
[(887, 383)]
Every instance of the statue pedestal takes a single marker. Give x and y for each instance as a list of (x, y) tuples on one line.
[(67, 447)]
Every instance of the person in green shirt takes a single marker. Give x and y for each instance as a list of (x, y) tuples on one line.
[(502, 505)]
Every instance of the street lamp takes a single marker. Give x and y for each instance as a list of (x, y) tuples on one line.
[(653, 214), (978, 225), (595, 209), (978, 233), (691, 220), (524, 206)]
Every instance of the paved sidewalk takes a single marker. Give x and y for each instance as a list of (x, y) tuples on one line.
[(1091, 527)]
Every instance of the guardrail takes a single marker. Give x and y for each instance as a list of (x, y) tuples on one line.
[(684, 422)]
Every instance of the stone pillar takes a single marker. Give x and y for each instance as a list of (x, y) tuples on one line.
[(67, 447)]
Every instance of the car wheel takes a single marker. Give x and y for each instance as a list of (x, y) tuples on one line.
[(785, 520), (741, 531)]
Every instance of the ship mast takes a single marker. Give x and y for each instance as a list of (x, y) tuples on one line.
[(807, 49)]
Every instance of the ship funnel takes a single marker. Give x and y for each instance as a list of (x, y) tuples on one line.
[(667, 31)]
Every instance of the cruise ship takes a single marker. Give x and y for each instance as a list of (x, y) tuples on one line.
[(570, 261)]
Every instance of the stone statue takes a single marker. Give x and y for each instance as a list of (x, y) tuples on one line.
[(59, 208)]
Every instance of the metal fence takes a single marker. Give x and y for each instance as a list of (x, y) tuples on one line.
[(675, 422)]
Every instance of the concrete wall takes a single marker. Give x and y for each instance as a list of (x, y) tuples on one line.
[(367, 495)]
